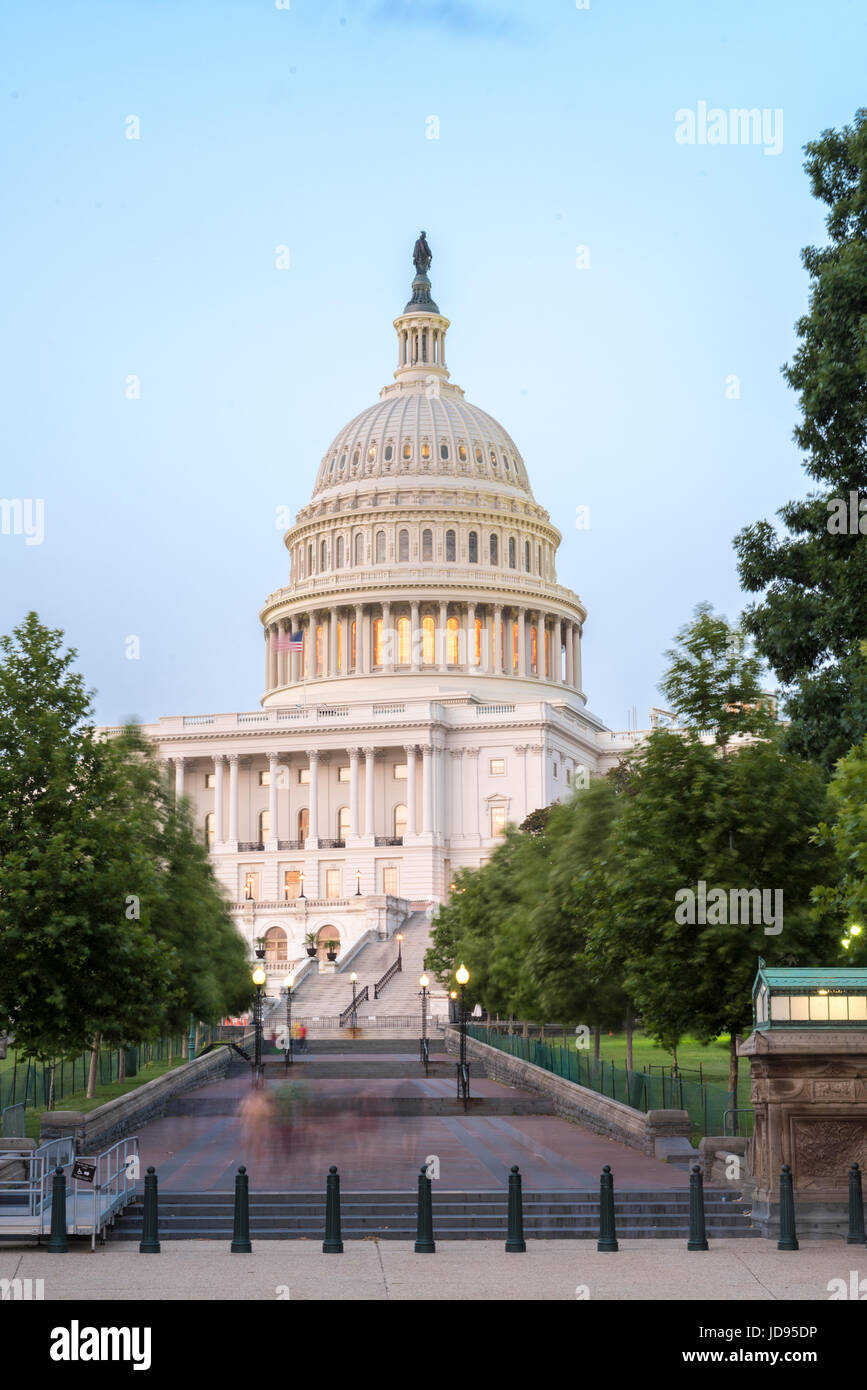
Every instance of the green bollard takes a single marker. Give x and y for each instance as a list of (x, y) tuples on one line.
[(607, 1234), (57, 1241), (788, 1238), (332, 1244), (697, 1232), (515, 1243), (149, 1243), (856, 1208), (241, 1232), (424, 1241)]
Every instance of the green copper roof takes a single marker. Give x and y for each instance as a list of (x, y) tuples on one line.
[(845, 977)]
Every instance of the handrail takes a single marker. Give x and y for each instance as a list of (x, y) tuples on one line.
[(389, 975), (361, 998)]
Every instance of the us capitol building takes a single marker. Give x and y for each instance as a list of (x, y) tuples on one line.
[(423, 680)]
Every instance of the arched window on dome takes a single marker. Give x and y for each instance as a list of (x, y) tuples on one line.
[(371, 454), (478, 453), (428, 641), (343, 461), (474, 547), (339, 560), (450, 546), (444, 451), (407, 450), (453, 628), (506, 463), (427, 545), (331, 465), (403, 546), (493, 549), (399, 821), (389, 453), (512, 560), (356, 459), (309, 561), (425, 452), (380, 547), (359, 548), (323, 555), (403, 638), (493, 455), (527, 556), (462, 453), (377, 641)]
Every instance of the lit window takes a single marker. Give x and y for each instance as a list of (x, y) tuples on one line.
[(498, 767), (371, 454), (343, 822), (210, 779), (462, 453), (425, 451), (343, 774), (251, 887), (427, 545), (399, 772), (428, 641), (498, 821), (547, 655), (403, 546), (304, 775), (478, 453), (209, 828), (403, 641), (407, 450), (377, 641), (399, 822), (291, 884), (452, 631), (332, 883), (389, 881), (450, 545), (264, 779), (474, 548), (303, 823), (493, 550), (264, 826), (493, 457)]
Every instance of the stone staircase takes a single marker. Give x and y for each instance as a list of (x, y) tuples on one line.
[(320, 999)]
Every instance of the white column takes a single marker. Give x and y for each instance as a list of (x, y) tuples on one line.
[(444, 611), (576, 658), (570, 654), (497, 641), (415, 638), (219, 765), (522, 643), (557, 650), (410, 789), (471, 636), (353, 792), (179, 778), (426, 790), (233, 797), (267, 658), (387, 639), (369, 789), (359, 639), (440, 807), (313, 819), (332, 642), (346, 622), (273, 782)]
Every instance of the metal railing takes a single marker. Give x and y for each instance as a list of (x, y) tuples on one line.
[(352, 1007), (12, 1121), (389, 975)]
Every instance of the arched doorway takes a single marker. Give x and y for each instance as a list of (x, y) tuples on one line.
[(323, 935)]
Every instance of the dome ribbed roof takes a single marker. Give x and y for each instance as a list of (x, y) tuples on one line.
[(427, 424)]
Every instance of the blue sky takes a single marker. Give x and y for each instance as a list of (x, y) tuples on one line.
[(306, 127)]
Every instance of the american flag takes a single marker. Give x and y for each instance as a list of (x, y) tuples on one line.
[(289, 642)]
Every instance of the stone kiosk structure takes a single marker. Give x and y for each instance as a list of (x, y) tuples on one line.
[(808, 1067)]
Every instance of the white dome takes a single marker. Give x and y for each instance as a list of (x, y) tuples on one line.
[(425, 434)]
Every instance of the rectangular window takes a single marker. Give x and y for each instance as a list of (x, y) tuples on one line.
[(498, 821), (264, 779), (291, 884), (332, 883), (343, 774), (556, 769), (400, 772), (498, 767), (251, 887), (304, 775), (210, 779), (389, 881)]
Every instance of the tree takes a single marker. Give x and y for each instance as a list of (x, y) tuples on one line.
[(845, 831), (814, 611), (712, 682)]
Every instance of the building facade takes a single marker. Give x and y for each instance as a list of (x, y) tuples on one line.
[(423, 676)]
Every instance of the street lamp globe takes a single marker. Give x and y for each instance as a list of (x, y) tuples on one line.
[(259, 976), (424, 981), (462, 974)]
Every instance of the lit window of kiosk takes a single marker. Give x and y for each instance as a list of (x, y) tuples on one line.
[(805, 998)]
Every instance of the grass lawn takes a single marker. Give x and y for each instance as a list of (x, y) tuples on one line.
[(713, 1059), (107, 1091)]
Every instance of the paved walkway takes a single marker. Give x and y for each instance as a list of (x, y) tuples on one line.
[(460, 1270), (201, 1152)]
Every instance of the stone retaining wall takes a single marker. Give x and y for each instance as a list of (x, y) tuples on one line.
[(650, 1133), (95, 1130)]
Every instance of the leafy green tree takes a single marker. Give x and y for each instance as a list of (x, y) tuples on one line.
[(845, 832), (712, 682), (814, 611)]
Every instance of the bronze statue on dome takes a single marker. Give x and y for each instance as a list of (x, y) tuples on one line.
[(422, 255)]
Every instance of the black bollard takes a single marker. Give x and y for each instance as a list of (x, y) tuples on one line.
[(607, 1234), (150, 1244), (332, 1244), (697, 1233), (856, 1208), (515, 1243), (57, 1241), (241, 1232), (424, 1241), (788, 1237)]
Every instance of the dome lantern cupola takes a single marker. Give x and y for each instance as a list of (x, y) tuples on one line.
[(421, 328)]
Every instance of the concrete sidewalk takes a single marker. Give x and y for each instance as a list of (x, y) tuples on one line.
[(462, 1270)]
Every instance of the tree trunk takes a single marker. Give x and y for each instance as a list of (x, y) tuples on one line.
[(733, 1068), (94, 1058), (597, 1040), (198, 1037), (524, 1032), (674, 1059), (171, 1050), (51, 1085), (629, 1037), (185, 1045), (121, 1064)]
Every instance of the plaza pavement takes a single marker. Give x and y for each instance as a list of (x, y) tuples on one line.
[(390, 1271)]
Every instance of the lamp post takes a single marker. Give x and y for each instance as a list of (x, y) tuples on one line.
[(462, 975), (288, 1056), (399, 938), (424, 982), (353, 977), (358, 883), (258, 977)]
